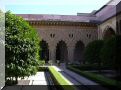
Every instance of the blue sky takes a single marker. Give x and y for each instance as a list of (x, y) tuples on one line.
[(63, 7)]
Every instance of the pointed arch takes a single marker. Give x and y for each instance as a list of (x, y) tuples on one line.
[(44, 54), (108, 32), (78, 52), (61, 51)]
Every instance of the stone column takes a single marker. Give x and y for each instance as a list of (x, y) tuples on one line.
[(52, 53), (71, 54)]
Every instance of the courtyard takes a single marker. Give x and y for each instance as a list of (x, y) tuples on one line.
[(65, 52)]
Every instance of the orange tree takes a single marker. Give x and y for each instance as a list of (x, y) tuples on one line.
[(21, 48)]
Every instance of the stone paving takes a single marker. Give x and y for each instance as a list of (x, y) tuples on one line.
[(73, 77), (38, 79), (76, 79), (35, 82)]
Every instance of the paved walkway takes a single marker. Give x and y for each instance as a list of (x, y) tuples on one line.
[(73, 77), (35, 82), (76, 79), (38, 79)]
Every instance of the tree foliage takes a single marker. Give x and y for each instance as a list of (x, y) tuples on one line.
[(92, 52), (111, 51), (111, 54), (21, 47)]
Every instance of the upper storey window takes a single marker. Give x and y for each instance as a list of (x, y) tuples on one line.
[(52, 35)]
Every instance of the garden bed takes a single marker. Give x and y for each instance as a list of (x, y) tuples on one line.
[(59, 80), (91, 67), (42, 68), (104, 81)]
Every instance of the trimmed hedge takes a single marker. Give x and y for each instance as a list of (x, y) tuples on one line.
[(59, 80), (91, 67), (42, 68), (97, 78)]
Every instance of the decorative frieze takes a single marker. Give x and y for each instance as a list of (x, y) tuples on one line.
[(62, 23)]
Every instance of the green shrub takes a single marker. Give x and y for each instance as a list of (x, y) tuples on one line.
[(42, 62), (108, 52), (96, 77), (111, 51), (91, 67), (42, 68), (111, 54), (92, 52), (21, 47)]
